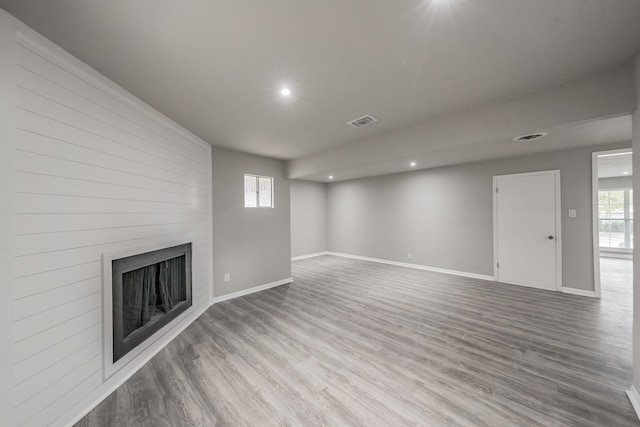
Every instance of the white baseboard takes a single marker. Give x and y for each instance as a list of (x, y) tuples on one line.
[(634, 397), (298, 258), (416, 266), (580, 292), (252, 290), (109, 386)]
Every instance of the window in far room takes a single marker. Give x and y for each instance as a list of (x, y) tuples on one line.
[(258, 191), (615, 209)]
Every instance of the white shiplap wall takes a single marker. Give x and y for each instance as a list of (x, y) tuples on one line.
[(95, 170), (7, 193)]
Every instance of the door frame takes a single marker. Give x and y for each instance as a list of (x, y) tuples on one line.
[(558, 232), (595, 186)]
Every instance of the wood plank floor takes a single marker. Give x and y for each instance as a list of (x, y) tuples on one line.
[(354, 343)]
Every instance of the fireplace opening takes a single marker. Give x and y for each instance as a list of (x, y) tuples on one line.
[(149, 290)]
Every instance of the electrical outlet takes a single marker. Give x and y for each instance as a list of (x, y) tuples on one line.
[(410, 255), (227, 277)]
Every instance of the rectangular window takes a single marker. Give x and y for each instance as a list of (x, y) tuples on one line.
[(615, 215), (258, 191)]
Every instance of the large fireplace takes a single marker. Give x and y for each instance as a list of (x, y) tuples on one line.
[(149, 290)]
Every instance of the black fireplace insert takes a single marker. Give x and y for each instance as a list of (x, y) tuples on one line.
[(149, 291)]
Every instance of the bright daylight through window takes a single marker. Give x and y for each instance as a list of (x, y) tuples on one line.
[(258, 191), (615, 214)]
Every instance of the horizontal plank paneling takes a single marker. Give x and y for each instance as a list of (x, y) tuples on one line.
[(30, 101), (51, 203), (56, 112), (49, 261), (32, 122), (33, 365), (43, 184), (55, 166), (56, 315), (38, 243), (95, 171), (71, 277), (51, 242), (29, 224), (30, 387), (94, 112), (30, 265), (55, 72), (57, 295), (81, 387), (49, 395), (51, 336), (36, 143)]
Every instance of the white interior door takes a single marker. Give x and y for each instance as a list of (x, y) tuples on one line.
[(527, 229)]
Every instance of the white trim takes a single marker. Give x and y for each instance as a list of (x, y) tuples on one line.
[(252, 290), (634, 397), (580, 292), (210, 185), (495, 228), (621, 255), (558, 231), (595, 229), (416, 266), (257, 177), (298, 258), (94, 399), (595, 185), (109, 366)]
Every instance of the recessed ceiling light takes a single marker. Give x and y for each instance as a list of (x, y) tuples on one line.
[(285, 91), (625, 173), (330, 176), (413, 164)]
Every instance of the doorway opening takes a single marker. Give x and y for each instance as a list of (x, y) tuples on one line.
[(613, 217)]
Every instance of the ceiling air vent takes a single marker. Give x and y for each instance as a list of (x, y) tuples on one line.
[(530, 137), (362, 121)]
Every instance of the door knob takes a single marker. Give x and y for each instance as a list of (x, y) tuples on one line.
[(550, 237)]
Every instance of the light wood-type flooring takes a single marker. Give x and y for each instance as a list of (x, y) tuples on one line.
[(355, 343)]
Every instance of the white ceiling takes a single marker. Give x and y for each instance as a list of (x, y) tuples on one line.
[(216, 67), (561, 138), (451, 81), (588, 111)]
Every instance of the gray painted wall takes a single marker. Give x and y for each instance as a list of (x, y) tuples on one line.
[(251, 244), (308, 218), (444, 216)]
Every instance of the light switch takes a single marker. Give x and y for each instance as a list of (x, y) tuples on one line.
[(572, 213)]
